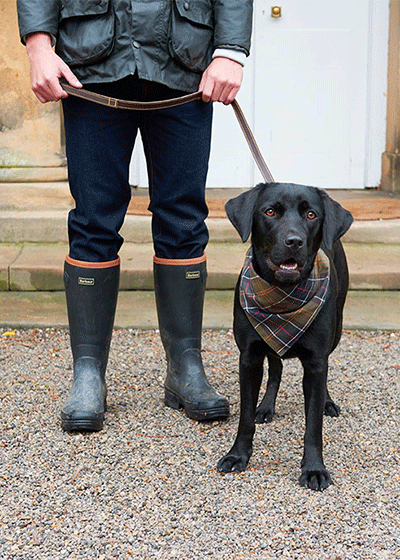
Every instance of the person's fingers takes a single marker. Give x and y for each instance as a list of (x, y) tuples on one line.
[(71, 78), (41, 98), (229, 94), (47, 68), (221, 80), (206, 87)]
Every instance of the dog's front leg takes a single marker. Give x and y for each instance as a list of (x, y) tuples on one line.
[(314, 474), (250, 376)]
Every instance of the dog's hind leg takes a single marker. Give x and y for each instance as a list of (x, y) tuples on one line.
[(266, 409), (331, 408)]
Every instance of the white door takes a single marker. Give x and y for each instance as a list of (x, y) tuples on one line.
[(314, 94)]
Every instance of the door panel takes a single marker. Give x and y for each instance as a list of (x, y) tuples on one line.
[(311, 100), (314, 95)]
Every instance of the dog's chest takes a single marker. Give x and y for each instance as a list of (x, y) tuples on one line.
[(280, 316)]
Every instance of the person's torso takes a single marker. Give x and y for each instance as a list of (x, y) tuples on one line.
[(167, 41)]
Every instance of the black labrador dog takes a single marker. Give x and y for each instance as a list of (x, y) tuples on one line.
[(296, 263)]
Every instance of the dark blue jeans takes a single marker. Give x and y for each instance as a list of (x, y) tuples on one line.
[(99, 145)]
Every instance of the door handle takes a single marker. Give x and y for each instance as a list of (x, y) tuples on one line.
[(276, 11)]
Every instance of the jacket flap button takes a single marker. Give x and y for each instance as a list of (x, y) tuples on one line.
[(186, 5)]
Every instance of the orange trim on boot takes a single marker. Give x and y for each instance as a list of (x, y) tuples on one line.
[(180, 262), (85, 264)]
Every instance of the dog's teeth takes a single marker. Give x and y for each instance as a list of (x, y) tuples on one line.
[(289, 266)]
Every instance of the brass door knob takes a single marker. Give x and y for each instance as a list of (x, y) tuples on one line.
[(276, 11)]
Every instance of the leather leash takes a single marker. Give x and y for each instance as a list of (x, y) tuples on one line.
[(166, 103)]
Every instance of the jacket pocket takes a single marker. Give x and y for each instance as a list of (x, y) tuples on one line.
[(86, 32), (192, 33)]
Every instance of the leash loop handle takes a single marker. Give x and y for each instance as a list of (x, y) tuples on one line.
[(174, 102)]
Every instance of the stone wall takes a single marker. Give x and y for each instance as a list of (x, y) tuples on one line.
[(30, 132)]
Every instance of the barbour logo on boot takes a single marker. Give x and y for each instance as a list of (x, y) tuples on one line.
[(192, 274), (86, 281)]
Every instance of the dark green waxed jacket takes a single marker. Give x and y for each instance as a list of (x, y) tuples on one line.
[(167, 41)]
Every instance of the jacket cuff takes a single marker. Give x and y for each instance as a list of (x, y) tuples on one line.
[(24, 37), (237, 56)]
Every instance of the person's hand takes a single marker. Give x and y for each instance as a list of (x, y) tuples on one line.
[(221, 80), (47, 68)]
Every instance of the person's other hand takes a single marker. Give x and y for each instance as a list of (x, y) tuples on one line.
[(221, 80), (47, 68)]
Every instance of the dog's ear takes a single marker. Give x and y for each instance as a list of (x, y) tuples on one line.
[(240, 211), (337, 220)]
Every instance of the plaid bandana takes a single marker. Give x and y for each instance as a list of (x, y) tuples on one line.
[(281, 316)]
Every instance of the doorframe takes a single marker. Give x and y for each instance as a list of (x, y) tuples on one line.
[(377, 88), (390, 180)]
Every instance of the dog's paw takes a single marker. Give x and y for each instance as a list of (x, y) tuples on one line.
[(232, 463), (331, 409), (318, 479), (263, 415)]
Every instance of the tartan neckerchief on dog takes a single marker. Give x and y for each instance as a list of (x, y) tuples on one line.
[(281, 316)]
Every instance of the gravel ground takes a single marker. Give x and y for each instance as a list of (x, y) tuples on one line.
[(147, 487)]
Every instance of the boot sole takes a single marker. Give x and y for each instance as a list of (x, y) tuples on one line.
[(92, 423), (218, 412)]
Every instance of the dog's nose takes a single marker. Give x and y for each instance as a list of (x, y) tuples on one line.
[(294, 241)]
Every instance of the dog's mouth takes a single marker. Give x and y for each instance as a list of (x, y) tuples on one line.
[(289, 266), (288, 270)]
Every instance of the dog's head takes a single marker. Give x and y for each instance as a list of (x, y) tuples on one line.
[(287, 223)]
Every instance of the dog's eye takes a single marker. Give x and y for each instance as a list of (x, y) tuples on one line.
[(270, 212), (311, 215)]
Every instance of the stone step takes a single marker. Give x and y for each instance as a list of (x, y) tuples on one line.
[(37, 213), (38, 266), (44, 226)]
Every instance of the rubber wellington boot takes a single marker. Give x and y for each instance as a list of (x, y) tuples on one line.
[(92, 291), (179, 290)]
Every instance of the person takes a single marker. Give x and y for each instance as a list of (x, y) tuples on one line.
[(141, 50)]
